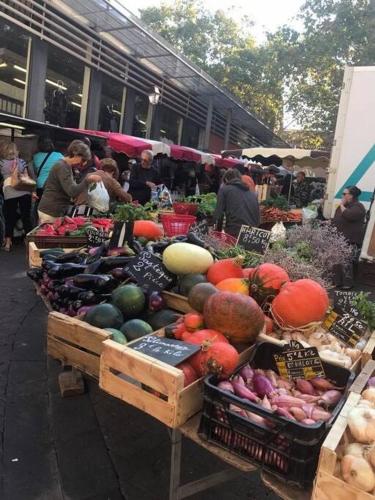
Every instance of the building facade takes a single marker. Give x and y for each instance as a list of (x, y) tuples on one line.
[(91, 64)]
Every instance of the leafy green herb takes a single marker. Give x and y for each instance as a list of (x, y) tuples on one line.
[(366, 308), (250, 259), (207, 203), (128, 212), (278, 202)]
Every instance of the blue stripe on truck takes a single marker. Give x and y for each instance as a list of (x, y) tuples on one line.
[(358, 173)]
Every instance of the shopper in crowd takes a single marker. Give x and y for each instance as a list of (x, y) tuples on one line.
[(80, 171), (43, 161), (349, 220), (287, 188), (60, 187), (248, 181), (143, 178), (301, 191), (15, 201), (109, 175), (236, 203)]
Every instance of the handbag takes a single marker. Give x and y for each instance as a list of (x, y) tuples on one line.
[(21, 181)]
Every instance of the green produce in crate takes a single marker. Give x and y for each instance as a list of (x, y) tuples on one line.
[(104, 316), (117, 335), (187, 282), (162, 318), (135, 329), (130, 299)]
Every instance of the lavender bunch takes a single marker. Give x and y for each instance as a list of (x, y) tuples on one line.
[(327, 247)]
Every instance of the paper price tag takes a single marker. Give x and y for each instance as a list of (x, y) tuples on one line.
[(345, 327), (296, 361)]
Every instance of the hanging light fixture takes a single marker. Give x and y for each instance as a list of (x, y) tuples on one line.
[(154, 97)]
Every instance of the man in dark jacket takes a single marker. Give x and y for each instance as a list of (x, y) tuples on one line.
[(237, 203), (301, 191), (143, 178)]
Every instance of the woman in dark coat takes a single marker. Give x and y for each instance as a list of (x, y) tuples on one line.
[(349, 220)]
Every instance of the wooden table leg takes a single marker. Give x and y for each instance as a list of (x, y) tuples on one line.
[(174, 480)]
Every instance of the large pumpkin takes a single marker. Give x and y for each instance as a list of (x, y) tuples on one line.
[(266, 281), (147, 229), (299, 303), (237, 316), (224, 269)]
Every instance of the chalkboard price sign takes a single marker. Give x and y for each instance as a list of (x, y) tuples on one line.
[(297, 361), (345, 327), (343, 302), (172, 352), (122, 232), (149, 272), (95, 237), (200, 229), (254, 239)]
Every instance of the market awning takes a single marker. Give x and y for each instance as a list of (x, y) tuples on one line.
[(129, 145), (191, 154), (227, 162)]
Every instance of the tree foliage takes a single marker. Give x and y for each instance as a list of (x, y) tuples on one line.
[(299, 72)]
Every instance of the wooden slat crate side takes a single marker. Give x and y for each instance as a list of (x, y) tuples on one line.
[(190, 402), (368, 350), (177, 302), (76, 332), (360, 382), (157, 375), (328, 487), (35, 260), (134, 395), (69, 355)]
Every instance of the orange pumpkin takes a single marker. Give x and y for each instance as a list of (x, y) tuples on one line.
[(223, 269), (147, 229), (236, 285), (266, 281), (193, 321), (299, 303), (238, 317)]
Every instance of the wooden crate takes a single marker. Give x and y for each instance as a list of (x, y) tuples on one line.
[(75, 342), (177, 302), (327, 486), (124, 373), (35, 260), (356, 366)]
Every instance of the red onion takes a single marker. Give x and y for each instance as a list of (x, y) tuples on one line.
[(266, 403), (308, 421), (330, 398), (243, 392), (239, 380), (285, 413), (322, 384), (308, 409), (371, 382), (305, 387), (287, 401), (320, 414), (247, 373), (262, 385), (272, 377), (226, 386)]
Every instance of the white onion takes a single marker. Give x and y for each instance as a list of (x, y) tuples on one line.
[(369, 394), (357, 472), (361, 422)]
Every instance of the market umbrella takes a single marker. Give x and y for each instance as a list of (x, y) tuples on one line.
[(191, 154)]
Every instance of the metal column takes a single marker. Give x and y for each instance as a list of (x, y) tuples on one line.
[(129, 112), (207, 132), (227, 128), (94, 98), (36, 80)]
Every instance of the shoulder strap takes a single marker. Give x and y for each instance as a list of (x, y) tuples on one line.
[(43, 163)]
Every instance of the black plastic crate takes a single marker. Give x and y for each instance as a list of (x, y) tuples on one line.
[(283, 447)]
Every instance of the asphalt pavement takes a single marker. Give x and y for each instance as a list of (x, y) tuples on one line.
[(88, 447)]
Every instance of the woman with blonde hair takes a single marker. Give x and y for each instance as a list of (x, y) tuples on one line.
[(14, 199)]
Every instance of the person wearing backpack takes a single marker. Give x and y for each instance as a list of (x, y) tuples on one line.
[(43, 161)]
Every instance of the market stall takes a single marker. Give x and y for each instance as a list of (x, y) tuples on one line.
[(241, 346)]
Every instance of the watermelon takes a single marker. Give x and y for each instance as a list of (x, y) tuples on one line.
[(187, 282), (130, 299), (135, 329), (104, 316), (117, 335)]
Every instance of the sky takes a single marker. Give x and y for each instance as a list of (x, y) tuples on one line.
[(266, 14)]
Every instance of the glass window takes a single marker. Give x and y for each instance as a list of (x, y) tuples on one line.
[(63, 88), (190, 134), (13, 68), (110, 105), (169, 124), (140, 115)]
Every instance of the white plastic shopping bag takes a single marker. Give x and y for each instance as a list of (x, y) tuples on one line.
[(98, 197)]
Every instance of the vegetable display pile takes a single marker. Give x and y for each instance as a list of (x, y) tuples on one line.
[(74, 226), (357, 454), (274, 214), (304, 401)]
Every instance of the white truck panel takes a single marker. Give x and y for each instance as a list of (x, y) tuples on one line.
[(353, 154)]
